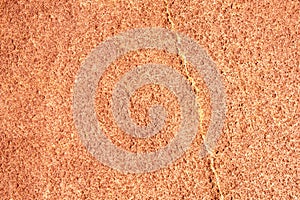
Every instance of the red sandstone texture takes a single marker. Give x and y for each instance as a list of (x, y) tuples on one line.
[(255, 45)]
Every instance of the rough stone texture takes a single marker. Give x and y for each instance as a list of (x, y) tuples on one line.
[(255, 45)]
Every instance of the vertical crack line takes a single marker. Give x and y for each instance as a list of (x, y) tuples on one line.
[(183, 60), (169, 15), (213, 169), (196, 89)]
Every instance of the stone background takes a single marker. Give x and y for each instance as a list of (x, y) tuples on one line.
[(255, 45)]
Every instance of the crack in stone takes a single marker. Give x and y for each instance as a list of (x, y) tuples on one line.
[(194, 86)]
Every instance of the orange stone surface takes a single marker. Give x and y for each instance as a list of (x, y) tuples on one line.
[(255, 47)]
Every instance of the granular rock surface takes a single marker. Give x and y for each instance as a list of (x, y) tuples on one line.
[(255, 48)]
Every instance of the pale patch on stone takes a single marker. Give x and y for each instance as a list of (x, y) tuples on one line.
[(146, 38)]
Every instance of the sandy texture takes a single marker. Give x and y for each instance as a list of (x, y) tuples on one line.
[(255, 46)]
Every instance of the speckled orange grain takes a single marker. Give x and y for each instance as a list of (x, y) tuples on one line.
[(255, 45)]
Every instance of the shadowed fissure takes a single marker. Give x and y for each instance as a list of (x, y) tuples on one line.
[(196, 89)]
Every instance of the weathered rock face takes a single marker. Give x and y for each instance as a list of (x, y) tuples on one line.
[(157, 112)]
